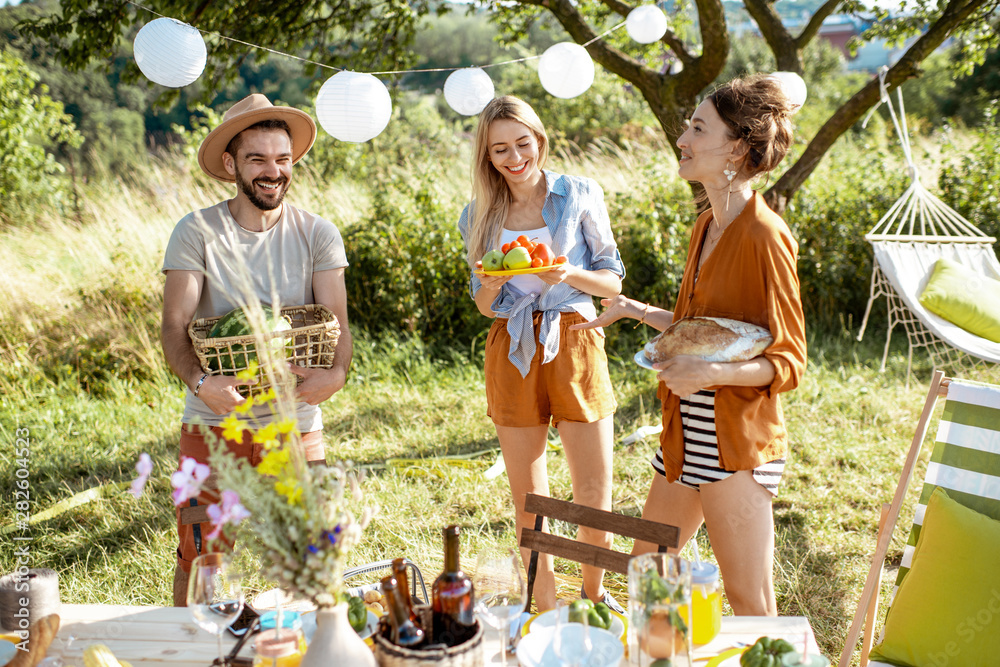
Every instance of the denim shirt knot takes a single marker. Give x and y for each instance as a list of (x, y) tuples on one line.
[(577, 218)]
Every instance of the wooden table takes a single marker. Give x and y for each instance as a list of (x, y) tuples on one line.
[(169, 637)]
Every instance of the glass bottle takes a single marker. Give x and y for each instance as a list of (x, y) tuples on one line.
[(706, 602), (403, 631), (290, 620), (403, 587), (454, 599)]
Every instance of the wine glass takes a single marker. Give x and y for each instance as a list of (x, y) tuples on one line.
[(571, 642), (500, 592), (215, 595)]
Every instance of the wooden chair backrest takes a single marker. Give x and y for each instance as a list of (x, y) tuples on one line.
[(538, 541)]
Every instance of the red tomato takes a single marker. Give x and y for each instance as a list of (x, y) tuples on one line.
[(504, 248), (537, 262), (523, 241), (543, 252), (479, 265), (561, 259)]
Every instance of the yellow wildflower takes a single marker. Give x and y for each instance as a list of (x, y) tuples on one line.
[(267, 436), (287, 426), (274, 462), (246, 406), (291, 490), (233, 428), (250, 372)]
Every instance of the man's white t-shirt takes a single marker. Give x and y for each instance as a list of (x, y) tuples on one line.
[(278, 264)]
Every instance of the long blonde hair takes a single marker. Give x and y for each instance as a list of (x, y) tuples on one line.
[(490, 194)]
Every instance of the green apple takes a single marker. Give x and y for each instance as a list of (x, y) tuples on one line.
[(493, 261), (516, 258)]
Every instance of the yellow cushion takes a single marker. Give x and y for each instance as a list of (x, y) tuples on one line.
[(947, 610), (964, 298)]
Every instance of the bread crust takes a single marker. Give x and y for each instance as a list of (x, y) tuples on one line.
[(709, 338)]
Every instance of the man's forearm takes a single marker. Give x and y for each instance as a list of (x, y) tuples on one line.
[(180, 355)]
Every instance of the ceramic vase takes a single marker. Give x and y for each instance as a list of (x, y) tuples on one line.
[(335, 642)]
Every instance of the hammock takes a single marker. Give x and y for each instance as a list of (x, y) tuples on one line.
[(918, 230)]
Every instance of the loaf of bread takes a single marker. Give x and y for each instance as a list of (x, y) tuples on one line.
[(710, 338)]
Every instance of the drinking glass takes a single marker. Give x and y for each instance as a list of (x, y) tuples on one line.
[(215, 595), (571, 642), (500, 592), (659, 627)]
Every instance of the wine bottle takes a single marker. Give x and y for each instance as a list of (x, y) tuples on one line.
[(454, 599), (403, 587), (402, 630)]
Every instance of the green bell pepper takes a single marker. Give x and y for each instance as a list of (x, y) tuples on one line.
[(357, 613), (605, 613), (765, 652)]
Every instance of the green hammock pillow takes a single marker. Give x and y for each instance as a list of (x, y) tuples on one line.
[(947, 610), (964, 298)]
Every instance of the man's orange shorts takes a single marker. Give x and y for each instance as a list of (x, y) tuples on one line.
[(193, 445), (575, 386)]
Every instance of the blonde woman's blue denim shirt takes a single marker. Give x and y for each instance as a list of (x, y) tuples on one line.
[(577, 218)]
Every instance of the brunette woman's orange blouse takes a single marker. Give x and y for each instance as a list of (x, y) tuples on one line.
[(750, 277)]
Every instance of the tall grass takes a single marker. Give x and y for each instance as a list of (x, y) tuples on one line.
[(81, 370)]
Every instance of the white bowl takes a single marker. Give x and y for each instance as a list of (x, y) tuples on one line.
[(535, 648)]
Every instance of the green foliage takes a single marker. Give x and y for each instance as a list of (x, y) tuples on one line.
[(969, 184), (30, 123), (408, 270)]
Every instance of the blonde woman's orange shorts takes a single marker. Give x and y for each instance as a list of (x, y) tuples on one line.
[(575, 386)]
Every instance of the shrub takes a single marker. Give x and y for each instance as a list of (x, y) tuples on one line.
[(969, 184)]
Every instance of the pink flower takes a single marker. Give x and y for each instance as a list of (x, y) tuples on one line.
[(188, 480), (144, 467), (229, 510)]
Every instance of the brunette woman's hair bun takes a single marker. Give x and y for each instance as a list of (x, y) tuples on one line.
[(758, 111)]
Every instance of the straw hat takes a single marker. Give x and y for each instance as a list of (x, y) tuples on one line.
[(242, 115)]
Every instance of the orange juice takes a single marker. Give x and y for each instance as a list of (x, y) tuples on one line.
[(706, 614), (706, 602)]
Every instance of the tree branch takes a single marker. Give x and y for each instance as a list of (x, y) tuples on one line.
[(851, 111), (815, 22), (783, 45)]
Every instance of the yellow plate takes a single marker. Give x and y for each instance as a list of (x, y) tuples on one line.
[(518, 272), (730, 658)]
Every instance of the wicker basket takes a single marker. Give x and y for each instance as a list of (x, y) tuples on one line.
[(313, 337), (466, 654)]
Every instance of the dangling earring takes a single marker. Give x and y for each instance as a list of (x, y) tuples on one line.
[(730, 175)]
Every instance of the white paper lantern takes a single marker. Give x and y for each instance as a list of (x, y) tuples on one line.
[(646, 24), (468, 90), (353, 106), (794, 86), (566, 70), (170, 53)]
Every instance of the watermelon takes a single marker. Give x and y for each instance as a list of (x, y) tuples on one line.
[(236, 323)]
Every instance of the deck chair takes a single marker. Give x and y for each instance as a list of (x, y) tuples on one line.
[(965, 462), (538, 541), (918, 230)]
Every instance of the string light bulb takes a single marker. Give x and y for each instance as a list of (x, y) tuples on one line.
[(170, 53), (468, 90), (353, 106), (566, 70), (646, 24)]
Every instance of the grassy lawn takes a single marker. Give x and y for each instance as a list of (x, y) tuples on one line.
[(91, 402)]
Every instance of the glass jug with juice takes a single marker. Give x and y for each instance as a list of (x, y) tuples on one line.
[(706, 602)]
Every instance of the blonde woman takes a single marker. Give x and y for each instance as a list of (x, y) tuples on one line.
[(539, 371)]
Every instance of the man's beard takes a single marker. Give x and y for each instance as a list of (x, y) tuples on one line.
[(247, 188)]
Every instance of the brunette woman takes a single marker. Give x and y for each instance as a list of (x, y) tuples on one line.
[(724, 443)]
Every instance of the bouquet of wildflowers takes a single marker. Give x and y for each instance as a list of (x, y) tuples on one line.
[(297, 515)]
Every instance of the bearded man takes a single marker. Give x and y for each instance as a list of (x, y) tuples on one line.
[(287, 254)]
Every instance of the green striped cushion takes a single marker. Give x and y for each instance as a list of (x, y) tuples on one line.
[(966, 457)]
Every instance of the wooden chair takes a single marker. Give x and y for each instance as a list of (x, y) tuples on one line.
[(974, 408), (587, 554)]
